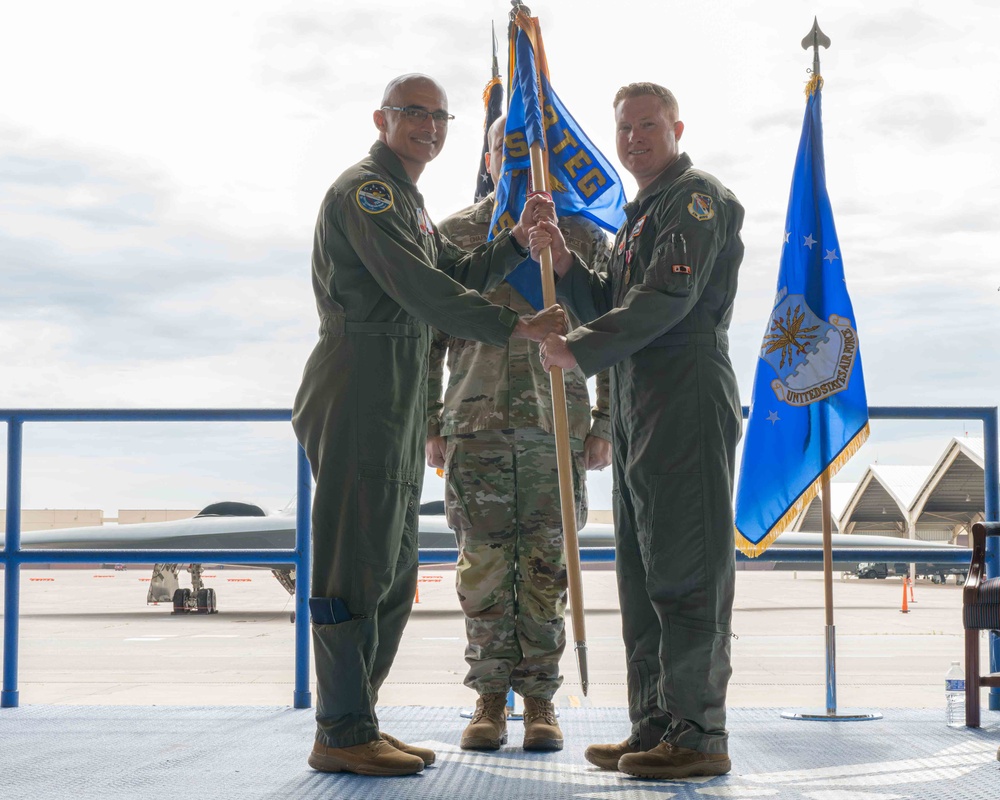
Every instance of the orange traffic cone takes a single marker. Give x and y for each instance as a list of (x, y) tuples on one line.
[(910, 580), (416, 598), (904, 609)]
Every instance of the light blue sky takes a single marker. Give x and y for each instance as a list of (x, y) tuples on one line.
[(160, 172)]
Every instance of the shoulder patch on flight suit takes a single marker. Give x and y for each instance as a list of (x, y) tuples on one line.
[(374, 197), (700, 207)]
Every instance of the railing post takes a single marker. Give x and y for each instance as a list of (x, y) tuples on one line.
[(991, 463), (12, 565), (303, 577)]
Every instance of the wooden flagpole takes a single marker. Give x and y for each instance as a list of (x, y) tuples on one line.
[(563, 454), (520, 17)]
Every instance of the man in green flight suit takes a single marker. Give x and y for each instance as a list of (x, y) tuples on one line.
[(493, 436), (660, 321), (381, 275)]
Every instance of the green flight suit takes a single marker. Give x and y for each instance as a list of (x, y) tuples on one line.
[(660, 321), (382, 275)]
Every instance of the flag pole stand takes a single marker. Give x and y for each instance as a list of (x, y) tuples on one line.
[(830, 713)]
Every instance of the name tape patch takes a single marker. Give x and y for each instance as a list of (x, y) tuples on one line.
[(374, 197), (637, 229)]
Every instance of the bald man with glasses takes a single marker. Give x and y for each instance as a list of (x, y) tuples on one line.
[(382, 275)]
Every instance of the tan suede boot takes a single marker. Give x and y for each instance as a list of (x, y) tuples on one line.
[(541, 731), (488, 728), (606, 756), (376, 757), (669, 761), (423, 753)]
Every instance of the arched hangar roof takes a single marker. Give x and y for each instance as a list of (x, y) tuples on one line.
[(954, 491), (811, 519), (881, 501)]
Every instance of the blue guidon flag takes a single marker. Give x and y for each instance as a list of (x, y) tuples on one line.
[(809, 411), (580, 178)]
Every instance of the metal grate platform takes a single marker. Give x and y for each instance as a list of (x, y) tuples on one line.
[(223, 753)]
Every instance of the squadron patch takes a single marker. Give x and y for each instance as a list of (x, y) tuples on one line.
[(700, 207), (374, 197), (621, 246), (681, 269)]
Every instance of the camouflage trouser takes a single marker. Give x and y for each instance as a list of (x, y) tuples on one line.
[(502, 500)]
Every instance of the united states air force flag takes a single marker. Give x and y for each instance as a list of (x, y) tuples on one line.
[(809, 412), (580, 178)]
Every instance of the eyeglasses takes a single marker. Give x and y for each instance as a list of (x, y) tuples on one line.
[(418, 114)]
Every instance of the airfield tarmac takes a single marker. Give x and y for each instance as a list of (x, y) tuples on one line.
[(88, 637)]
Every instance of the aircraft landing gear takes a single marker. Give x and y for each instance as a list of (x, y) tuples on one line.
[(206, 601), (286, 577), (182, 599), (199, 599)]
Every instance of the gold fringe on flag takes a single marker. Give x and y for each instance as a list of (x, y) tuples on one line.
[(752, 550), (814, 85), (488, 90)]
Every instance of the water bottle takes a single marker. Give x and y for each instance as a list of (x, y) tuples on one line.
[(954, 695)]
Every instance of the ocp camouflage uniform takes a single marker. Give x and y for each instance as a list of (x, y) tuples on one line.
[(381, 275), (502, 486), (660, 321)]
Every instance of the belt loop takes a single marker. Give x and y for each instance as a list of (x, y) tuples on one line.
[(332, 325)]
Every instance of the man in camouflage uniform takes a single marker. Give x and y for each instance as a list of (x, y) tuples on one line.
[(493, 435), (660, 320), (382, 275)]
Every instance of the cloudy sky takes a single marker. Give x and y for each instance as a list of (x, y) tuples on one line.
[(161, 169)]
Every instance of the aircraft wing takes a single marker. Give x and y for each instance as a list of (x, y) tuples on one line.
[(273, 531), (805, 539), (278, 531)]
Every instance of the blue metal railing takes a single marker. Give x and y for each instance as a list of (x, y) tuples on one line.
[(13, 556)]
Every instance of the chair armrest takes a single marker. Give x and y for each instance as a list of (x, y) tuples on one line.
[(977, 567)]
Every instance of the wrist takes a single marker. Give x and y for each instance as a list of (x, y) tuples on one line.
[(562, 266), (519, 239)]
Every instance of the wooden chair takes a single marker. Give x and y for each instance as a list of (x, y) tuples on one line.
[(980, 611)]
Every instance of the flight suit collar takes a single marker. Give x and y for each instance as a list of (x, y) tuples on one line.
[(383, 154), (661, 182)]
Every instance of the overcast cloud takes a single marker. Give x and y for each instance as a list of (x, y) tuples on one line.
[(161, 167)]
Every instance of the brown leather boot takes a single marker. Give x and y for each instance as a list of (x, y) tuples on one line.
[(488, 728), (669, 761), (541, 731), (424, 754), (606, 756), (376, 757)]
